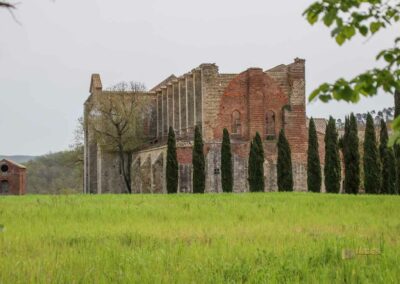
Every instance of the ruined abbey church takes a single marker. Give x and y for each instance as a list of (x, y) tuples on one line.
[(255, 100)]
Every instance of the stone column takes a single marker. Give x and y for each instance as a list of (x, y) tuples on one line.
[(190, 100), (170, 107), (198, 97), (175, 89), (183, 107), (165, 111), (159, 115)]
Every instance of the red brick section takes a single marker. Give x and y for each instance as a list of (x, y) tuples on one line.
[(295, 118), (252, 93), (15, 176), (184, 155)]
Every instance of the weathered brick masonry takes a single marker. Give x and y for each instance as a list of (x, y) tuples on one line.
[(12, 178), (252, 101)]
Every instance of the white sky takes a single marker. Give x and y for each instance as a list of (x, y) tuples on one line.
[(46, 62)]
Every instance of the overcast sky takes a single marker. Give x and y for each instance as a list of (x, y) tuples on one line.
[(47, 60)]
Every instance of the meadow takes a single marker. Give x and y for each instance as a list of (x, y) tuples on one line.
[(213, 238)]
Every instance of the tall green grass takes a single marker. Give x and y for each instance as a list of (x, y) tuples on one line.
[(217, 238)]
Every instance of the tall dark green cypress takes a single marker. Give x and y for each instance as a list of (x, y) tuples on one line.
[(372, 172), (199, 177), (351, 157), (392, 172), (332, 169), (284, 164), (396, 147), (386, 156), (314, 178), (252, 164), (256, 165), (259, 181), (172, 163), (226, 163)]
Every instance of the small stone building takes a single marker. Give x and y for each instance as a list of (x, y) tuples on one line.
[(254, 100), (12, 178)]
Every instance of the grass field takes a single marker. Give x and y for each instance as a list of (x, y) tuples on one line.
[(272, 237)]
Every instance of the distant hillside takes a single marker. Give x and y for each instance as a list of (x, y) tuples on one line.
[(54, 173), (19, 158)]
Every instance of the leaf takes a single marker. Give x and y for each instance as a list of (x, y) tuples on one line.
[(349, 31), (325, 98), (396, 124), (340, 39), (313, 95), (388, 58), (312, 18), (375, 26), (394, 138), (330, 17), (363, 30)]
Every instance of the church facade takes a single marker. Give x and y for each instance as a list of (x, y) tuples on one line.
[(255, 100)]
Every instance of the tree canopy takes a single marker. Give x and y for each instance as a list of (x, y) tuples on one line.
[(347, 18)]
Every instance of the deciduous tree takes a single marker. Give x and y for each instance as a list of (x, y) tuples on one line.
[(347, 18), (116, 118)]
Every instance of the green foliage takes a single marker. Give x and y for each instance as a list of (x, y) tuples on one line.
[(351, 156), (346, 18), (256, 165), (56, 173), (314, 178), (226, 163), (392, 172), (199, 177), (236, 238), (372, 172), (388, 169), (284, 164), (172, 163), (396, 147), (332, 169)]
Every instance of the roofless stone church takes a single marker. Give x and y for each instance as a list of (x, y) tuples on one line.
[(255, 100)]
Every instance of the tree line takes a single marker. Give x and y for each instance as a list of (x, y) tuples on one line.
[(376, 167)]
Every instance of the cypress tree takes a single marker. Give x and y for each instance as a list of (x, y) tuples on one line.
[(284, 164), (372, 172), (392, 171), (332, 169), (256, 165), (386, 161), (351, 156), (396, 147), (172, 163), (198, 162), (226, 163), (252, 166), (259, 181), (313, 162)]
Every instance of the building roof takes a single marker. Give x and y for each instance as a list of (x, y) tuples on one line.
[(170, 78), (13, 163)]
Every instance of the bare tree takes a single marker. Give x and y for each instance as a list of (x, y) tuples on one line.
[(116, 117)]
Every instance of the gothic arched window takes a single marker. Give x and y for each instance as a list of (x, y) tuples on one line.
[(236, 124), (270, 125)]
